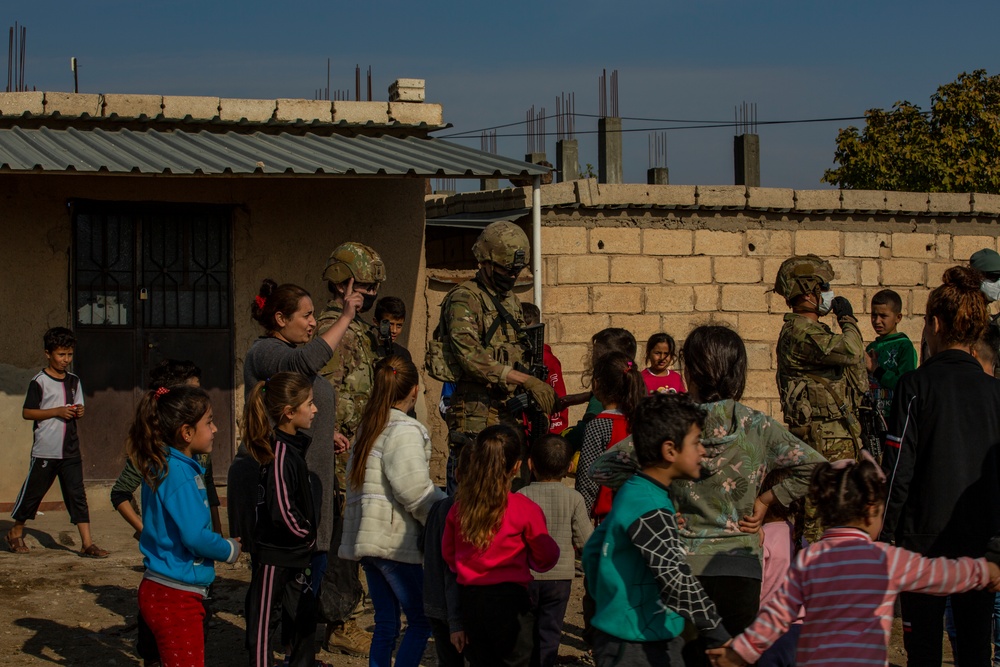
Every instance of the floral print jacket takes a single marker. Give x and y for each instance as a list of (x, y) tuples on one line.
[(741, 446)]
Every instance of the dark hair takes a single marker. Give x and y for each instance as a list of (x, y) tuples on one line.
[(172, 372), (272, 299), (662, 417), (551, 456), (158, 418), (715, 361), (265, 409), (888, 297), (57, 337), (391, 306), (795, 512), (960, 306), (617, 380), (842, 494), (532, 315), (658, 338), (395, 378), (988, 345), (481, 500), (608, 340)]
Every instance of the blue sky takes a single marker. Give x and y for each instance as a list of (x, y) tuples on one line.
[(488, 62)]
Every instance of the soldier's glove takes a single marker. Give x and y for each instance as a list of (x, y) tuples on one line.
[(841, 307), (542, 392)]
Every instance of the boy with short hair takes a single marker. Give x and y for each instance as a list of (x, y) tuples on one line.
[(54, 402), (569, 525), (635, 561), (891, 354), (392, 311)]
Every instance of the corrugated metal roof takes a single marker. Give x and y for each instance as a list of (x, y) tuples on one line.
[(212, 153), (477, 220)]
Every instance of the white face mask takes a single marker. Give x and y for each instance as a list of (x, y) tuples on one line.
[(991, 289), (825, 301)]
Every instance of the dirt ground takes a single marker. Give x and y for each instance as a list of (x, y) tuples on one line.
[(62, 609)]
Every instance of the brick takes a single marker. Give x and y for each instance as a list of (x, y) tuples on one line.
[(667, 241), (761, 384), (687, 270), (17, 104), (770, 268), (550, 271), (918, 302), (305, 110), (360, 113), (737, 269), (731, 320), (867, 201), (410, 87), (744, 298), (571, 356), (669, 299), (133, 106), (641, 326), (823, 243), (712, 242), (73, 104), (772, 199), (763, 242), (407, 95), (615, 240), (759, 356), (415, 114), (845, 271), (857, 296), (679, 326), (817, 200), (870, 272), (616, 299), (758, 404), (579, 328), (582, 269), (566, 299), (706, 297), (962, 247), (722, 196), (986, 204), (179, 106), (635, 269), (760, 326), (906, 202), (776, 303), (255, 111), (902, 272), (954, 203), (935, 273), (942, 244), (564, 240), (865, 244), (914, 328), (673, 195), (554, 194), (909, 244)]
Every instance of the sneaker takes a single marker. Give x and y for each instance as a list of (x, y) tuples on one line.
[(349, 639)]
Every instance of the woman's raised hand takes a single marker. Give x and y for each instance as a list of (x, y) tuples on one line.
[(352, 299)]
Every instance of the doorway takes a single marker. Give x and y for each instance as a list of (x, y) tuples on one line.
[(150, 282)]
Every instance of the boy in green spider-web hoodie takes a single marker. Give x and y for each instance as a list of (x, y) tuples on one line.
[(634, 562), (891, 355)]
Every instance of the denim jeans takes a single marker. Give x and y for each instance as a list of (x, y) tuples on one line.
[(396, 587)]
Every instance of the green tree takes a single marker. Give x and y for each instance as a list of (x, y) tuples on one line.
[(954, 147)]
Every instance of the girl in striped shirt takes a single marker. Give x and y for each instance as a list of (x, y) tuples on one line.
[(846, 582)]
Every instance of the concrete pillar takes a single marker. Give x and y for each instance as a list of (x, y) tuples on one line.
[(746, 160), (489, 183), (658, 176), (609, 150), (568, 160), (534, 158)]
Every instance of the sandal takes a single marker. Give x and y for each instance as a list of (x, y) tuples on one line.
[(94, 551), (16, 544)]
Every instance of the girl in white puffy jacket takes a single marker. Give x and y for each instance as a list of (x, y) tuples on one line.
[(389, 494)]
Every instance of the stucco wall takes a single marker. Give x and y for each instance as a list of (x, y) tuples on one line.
[(284, 229)]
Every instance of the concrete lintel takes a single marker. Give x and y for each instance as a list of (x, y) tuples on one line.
[(180, 106), (128, 105), (721, 196), (259, 111), (817, 200), (955, 203), (18, 104), (771, 199), (305, 110), (862, 201), (361, 112)]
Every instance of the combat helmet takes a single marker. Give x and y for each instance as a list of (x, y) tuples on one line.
[(802, 274), (354, 260), (502, 243)]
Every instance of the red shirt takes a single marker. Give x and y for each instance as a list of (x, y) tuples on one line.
[(670, 383), (560, 420), (521, 544)]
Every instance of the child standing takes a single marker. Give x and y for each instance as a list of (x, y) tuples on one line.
[(863, 576), (619, 387), (569, 524), (558, 421), (661, 353), (635, 561), (178, 545), (493, 539), (389, 494), (891, 354), (54, 402), (280, 589)]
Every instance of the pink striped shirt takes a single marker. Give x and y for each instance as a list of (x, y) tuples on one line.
[(848, 585)]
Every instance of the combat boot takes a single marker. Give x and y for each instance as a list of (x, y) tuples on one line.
[(349, 639)]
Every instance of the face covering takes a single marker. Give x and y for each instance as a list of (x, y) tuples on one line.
[(825, 301), (367, 303), (503, 283), (991, 289)]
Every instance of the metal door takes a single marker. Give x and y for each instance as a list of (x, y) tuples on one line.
[(149, 283)]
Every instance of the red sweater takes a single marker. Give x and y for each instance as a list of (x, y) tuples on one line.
[(521, 544)]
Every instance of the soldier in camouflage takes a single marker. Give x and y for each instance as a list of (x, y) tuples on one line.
[(481, 320)]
